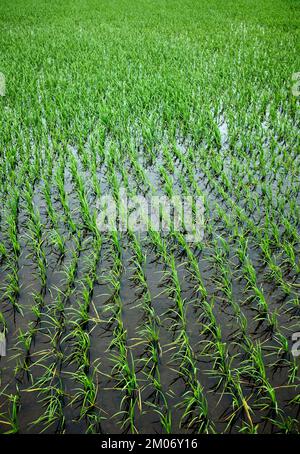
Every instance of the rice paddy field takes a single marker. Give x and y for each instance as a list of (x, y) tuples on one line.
[(146, 332)]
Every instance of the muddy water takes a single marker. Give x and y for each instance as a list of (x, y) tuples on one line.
[(101, 326)]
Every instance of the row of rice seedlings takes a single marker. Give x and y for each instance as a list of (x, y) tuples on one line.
[(63, 197), (150, 325), (55, 238), (35, 236), (10, 419), (23, 356), (79, 338), (195, 408), (89, 220), (12, 286), (138, 170), (275, 273), (26, 339), (123, 372), (254, 369), (49, 384), (11, 294), (149, 336), (51, 394)]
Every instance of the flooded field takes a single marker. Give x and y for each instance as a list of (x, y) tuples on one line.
[(149, 330)]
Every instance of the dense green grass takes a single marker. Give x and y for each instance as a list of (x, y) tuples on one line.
[(110, 332)]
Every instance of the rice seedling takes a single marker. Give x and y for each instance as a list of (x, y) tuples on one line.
[(87, 397), (53, 408), (11, 420)]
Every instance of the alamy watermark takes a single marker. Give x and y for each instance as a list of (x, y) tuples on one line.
[(2, 344), (2, 84), (296, 344), (296, 85), (159, 213)]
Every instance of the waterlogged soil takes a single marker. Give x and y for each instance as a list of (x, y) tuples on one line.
[(15, 380)]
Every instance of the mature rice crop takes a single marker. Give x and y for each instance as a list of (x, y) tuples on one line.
[(122, 330)]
